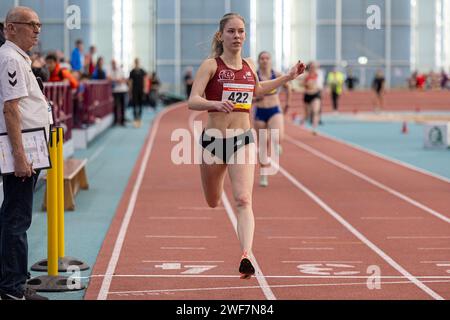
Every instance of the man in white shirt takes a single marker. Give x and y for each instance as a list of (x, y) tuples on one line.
[(120, 89), (22, 106)]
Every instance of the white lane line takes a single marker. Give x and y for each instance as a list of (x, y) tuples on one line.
[(321, 261), (180, 237), (183, 261), (434, 261), (310, 248), (332, 242), (180, 218), (186, 290), (98, 152), (295, 237), (368, 179), (358, 234), (201, 208), (258, 273), (103, 293), (416, 237), (273, 286), (286, 218), (391, 218), (384, 157), (433, 248), (227, 276), (182, 248), (231, 215)]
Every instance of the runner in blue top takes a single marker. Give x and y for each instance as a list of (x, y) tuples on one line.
[(268, 112)]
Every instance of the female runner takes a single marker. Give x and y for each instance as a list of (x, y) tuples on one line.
[(224, 86), (268, 114)]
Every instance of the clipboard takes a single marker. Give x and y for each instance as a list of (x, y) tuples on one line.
[(36, 149)]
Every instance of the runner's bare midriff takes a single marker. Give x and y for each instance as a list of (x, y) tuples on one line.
[(234, 120), (268, 101), (311, 87)]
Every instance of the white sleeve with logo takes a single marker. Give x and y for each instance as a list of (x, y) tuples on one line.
[(13, 84)]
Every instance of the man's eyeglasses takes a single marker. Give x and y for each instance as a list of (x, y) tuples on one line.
[(34, 25)]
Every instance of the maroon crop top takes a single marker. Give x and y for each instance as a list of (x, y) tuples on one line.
[(237, 86)]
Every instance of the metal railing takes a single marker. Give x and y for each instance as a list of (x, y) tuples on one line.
[(79, 109), (97, 102), (61, 97)]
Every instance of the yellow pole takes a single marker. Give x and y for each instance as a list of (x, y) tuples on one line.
[(60, 193), (52, 203)]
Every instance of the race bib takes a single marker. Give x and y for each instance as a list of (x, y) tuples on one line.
[(240, 95)]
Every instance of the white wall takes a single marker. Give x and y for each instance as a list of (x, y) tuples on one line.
[(425, 35), (143, 29), (303, 31), (265, 33), (102, 28), (446, 53), (142, 32)]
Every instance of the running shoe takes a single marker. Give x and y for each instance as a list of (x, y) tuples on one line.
[(246, 269), (263, 181)]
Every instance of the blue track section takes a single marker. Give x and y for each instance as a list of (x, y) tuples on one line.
[(387, 139), (111, 159)]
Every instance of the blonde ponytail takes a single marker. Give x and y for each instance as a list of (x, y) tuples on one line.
[(216, 46)]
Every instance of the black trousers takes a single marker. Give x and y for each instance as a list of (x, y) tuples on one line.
[(137, 102), (119, 108), (335, 98), (15, 220)]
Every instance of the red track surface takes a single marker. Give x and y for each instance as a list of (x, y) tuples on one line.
[(393, 99), (331, 212)]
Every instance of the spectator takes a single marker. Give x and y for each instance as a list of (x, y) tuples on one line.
[(444, 79), (76, 59), (154, 90), (378, 88), (434, 82), (420, 81), (351, 80), (136, 90), (120, 89), (57, 73), (89, 65), (412, 81), (22, 106), (2, 35), (99, 72), (38, 67), (188, 81), (63, 61), (335, 81)]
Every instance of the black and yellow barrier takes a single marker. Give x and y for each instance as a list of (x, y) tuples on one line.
[(56, 260)]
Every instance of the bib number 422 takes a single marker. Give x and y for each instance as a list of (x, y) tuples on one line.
[(240, 94), (239, 97)]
